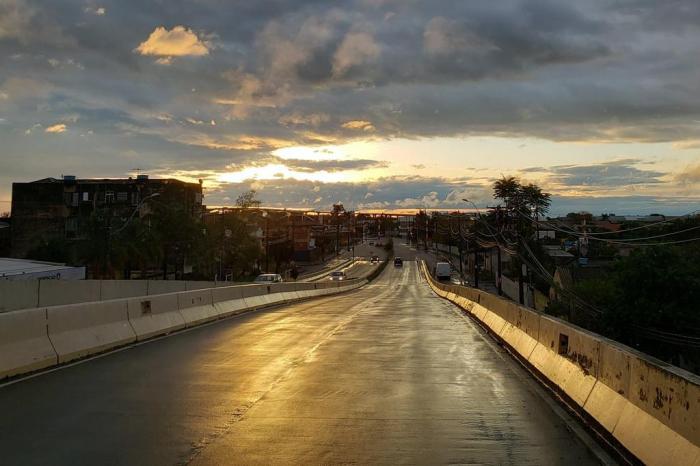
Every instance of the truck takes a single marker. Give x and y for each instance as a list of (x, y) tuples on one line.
[(443, 271)]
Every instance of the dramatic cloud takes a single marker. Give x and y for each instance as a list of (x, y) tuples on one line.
[(691, 175), (616, 173), (359, 124), (612, 83), (333, 165), (57, 128), (177, 42), (358, 48)]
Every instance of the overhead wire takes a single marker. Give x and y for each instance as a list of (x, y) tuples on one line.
[(626, 242), (651, 225)]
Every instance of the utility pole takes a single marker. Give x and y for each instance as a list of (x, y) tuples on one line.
[(449, 235), (293, 244), (499, 280), (337, 236), (521, 290), (498, 249), (459, 228), (476, 267), (267, 241)]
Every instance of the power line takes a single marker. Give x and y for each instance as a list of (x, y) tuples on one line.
[(629, 242), (688, 215)]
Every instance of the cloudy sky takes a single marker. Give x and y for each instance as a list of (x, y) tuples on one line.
[(374, 103)]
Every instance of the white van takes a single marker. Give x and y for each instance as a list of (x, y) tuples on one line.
[(443, 271)]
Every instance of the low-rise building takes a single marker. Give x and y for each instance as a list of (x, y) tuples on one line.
[(59, 208)]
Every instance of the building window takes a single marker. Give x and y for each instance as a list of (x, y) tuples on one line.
[(109, 197), (76, 200), (122, 197), (86, 197)]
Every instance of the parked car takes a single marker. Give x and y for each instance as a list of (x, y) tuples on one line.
[(398, 262), (374, 260), (337, 276), (269, 278), (443, 271)]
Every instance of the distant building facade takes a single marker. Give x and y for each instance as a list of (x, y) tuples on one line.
[(53, 208)]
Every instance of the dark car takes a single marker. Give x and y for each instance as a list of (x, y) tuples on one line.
[(398, 262)]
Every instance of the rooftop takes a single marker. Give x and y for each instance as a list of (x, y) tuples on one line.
[(13, 267), (51, 180)]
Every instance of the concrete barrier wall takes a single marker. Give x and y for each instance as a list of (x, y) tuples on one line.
[(197, 306), (155, 315), (228, 300), (18, 294), (58, 292), (255, 296), (79, 330), (165, 286), (24, 342), (117, 289), (649, 407), (33, 339), (28, 294), (192, 285)]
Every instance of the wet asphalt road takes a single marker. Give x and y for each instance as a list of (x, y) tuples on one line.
[(388, 374)]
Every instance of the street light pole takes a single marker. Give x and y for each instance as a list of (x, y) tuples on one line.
[(267, 240)]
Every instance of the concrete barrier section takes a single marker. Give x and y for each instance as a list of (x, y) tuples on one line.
[(228, 300), (24, 342), (36, 338), (651, 408), (79, 330), (166, 286), (255, 296), (18, 294), (117, 289), (567, 357), (155, 315), (667, 393), (652, 441), (58, 292), (286, 291), (196, 307), (191, 285)]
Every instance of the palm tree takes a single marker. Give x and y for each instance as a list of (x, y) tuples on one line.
[(537, 201), (508, 189)]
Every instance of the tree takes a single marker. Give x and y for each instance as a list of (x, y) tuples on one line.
[(231, 246), (248, 200), (536, 200), (336, 219), (523, 204), (649, 301), (508, 189)]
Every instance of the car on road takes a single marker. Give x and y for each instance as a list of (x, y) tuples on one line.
[(374, 260), (398, 262), (371, 243), (337, 276), (269, 278), (443, 271)]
